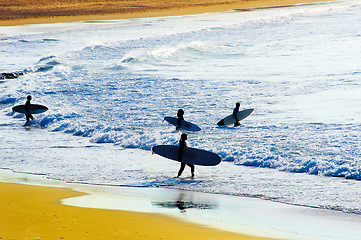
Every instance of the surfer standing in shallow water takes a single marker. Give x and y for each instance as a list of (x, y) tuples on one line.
[(27, 109), (235, 111), (182, 145)]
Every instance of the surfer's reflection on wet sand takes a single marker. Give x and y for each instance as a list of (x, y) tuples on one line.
[(184, 202), (180, 203)]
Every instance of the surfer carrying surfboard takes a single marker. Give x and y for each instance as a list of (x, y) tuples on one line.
[(235, 111), (182, 145), (27, 109), (180, 123), (180, 117)]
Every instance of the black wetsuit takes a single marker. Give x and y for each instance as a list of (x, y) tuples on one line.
[(28, 114), (180, 118), (235, 111), (182, 145)]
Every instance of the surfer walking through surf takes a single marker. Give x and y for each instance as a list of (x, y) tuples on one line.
[(27, 109), (182, 145), (180, 117), (235, 111)]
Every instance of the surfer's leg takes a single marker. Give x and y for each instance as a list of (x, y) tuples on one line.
[(27, 118), (181, 169), (179, 124), (192, 169)]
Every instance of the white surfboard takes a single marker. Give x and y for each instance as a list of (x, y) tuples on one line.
[(190, 155), (33, 109), (188, 126), (230, 119)]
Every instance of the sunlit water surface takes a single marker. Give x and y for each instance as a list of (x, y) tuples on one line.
[(108, 85)]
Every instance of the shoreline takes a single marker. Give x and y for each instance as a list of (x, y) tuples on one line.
[(205, 6), (73, 211), (44, 215)]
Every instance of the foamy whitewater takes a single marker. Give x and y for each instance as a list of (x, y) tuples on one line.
[(109, 84)]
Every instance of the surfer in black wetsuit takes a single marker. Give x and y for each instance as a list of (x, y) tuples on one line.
[(180, 117), (182, 145), (27, 108), (235, 111)]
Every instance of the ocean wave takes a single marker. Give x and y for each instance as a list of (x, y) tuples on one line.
[(8, 99), (166, 52), (285, 158), (44, 64), (194, 47)]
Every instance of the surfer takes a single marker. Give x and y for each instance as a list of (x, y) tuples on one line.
[(180, 117), (182, 145), (235, 111), (27, 109)]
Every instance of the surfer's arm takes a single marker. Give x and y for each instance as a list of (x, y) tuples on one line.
[(179, 118), (182, 145), (180, 153), (27, 107), (235, 115)]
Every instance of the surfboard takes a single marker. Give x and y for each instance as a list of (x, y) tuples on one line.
[(190, 155), (240, 115), (188, 126), (33, 109)]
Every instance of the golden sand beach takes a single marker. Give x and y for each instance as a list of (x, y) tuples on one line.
[(20, 12), (35, 212)]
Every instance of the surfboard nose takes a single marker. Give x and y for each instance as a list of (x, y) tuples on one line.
[(220, 123)]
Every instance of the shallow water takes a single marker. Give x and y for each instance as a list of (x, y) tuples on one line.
[(109, 85)]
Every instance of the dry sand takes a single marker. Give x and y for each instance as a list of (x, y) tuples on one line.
[(19, 12), (35, 212)]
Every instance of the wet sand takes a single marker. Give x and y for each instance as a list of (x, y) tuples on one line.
[(35, 212)]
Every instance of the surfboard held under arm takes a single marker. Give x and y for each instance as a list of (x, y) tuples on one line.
[(33, 109), (188, 126), (190, 155), (240, 116)]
